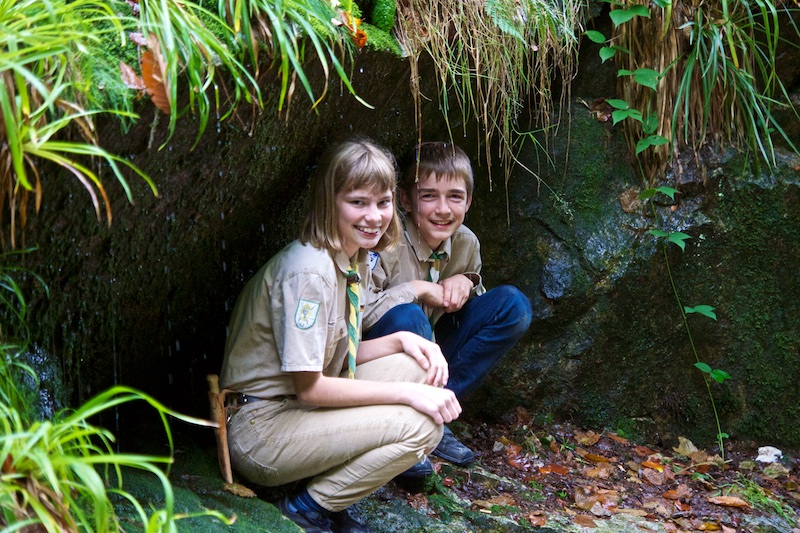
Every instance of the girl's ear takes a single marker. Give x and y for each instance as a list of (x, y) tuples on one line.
[(405, 201)]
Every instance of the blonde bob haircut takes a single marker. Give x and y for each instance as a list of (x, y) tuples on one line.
[(354, 164), (442, 159)]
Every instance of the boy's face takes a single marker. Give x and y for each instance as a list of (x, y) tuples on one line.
[(437, 207)]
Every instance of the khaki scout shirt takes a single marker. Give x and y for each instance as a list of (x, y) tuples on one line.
[(290, 317), (410, 261)]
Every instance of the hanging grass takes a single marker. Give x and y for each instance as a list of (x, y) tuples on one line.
[(493, 56), (718, 81)]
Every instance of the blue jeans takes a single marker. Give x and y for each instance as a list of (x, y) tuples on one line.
[(473, 339)]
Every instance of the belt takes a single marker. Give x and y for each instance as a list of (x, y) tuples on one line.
[(242, 399)]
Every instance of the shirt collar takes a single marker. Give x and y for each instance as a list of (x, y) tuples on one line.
[(343, 262)]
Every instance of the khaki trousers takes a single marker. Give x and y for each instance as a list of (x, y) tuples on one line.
[(347, 452)]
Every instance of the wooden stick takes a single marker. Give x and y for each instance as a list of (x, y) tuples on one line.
[(216, 401)]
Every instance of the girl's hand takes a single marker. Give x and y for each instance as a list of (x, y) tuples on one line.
[(428, 355), (429, 293), (440, 404)]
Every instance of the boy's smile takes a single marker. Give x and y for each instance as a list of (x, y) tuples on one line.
[(437, 207)]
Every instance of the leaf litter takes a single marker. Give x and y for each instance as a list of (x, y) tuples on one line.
[(532, 475)]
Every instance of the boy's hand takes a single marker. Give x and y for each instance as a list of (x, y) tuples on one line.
[(428, 355), (456, 291)]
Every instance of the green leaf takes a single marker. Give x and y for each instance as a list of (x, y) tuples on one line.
[(624, 72), (621, 114), (706, 310), (641, 10), (658, 233), (595, 36), (703, 367), (650, 123), (647, 194), (719, 375), (647, 77), (621, 16), (669, 191), (678, 237), (616, 103), (647, 142), (607, 53), (723, 435)]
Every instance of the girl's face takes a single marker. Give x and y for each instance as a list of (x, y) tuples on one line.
[(364, 216)]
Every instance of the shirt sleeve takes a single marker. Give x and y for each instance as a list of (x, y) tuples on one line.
[(301, 311), (383, 294)]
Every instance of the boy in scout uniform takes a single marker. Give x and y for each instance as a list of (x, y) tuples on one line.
[(431, 283)]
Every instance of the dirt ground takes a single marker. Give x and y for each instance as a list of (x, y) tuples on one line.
[(530, 474)]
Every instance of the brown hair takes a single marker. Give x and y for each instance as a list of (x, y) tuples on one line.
[(354, 164), (444, 160)]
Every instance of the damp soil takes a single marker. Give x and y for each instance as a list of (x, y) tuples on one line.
[(529, 475)]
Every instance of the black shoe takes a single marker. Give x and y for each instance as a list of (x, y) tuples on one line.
[(420, 470), (451, 450), (310, 521), (350, 521)]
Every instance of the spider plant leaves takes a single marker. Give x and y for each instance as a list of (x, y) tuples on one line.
[(192, 51)]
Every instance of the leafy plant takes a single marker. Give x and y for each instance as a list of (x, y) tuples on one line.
[(56, 474), (41, 100), (719, 80)]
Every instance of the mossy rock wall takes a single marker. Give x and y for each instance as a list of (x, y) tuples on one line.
[(146, 301)]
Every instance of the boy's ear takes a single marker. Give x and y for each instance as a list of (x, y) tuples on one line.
[(469, 202), (405, 201)]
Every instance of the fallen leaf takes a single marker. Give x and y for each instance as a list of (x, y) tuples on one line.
[(642, 451), (681, 491), (617, 438), (653, 465), (629, 201), (709, 526), (685, 447), (602, 471), (239, 490), (154, 75), (537, 520), (726, 529), (586, 439), (729, 501), (632, 512), (130, 78), (554, 469), (448, 482), (653, 476), (418, 501), (502, 499), (775, 470), (584, 520)]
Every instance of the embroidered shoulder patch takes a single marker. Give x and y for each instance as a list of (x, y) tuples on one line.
[(306, 314), (373, 260)]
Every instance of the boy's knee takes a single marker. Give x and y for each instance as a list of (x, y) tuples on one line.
[(515, 305)]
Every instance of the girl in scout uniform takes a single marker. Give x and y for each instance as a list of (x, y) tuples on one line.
[(312, 401)]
